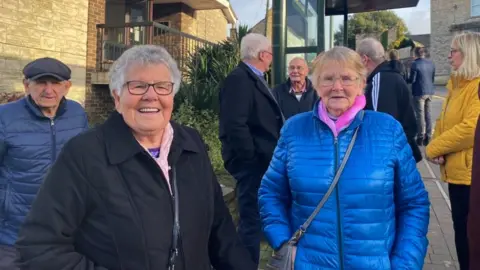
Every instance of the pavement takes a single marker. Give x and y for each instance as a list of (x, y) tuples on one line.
[(441, 253)]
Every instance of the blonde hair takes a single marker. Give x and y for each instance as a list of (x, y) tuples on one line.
[(393, 54), (468, 44), (343, 56)]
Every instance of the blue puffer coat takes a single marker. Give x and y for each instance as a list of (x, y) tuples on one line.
[(29, 144), (376, 218)]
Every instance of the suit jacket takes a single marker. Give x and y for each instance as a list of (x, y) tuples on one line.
[(250, 121)]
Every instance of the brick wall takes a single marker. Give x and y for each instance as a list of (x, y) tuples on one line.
[(443, 16), (98, 101), (31, 29)]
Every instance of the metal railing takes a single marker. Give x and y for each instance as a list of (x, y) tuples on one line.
[(112, 41)]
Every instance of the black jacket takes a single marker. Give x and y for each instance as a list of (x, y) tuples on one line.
[(250, 121), (105, 204), (289, 103), (397, 65), (388, 92)]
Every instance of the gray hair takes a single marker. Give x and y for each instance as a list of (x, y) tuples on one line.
[(373, 49), (252, 44), (142, 55)]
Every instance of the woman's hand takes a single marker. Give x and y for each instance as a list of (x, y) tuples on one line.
[(438, 160)]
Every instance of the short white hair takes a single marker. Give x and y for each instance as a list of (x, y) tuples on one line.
[(373, 49), (252, 44), (142, 55)]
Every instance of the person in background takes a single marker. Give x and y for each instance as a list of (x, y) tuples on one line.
[(473, 225), (387, 91), (396, 64), (296, 95), (377, 216), (136, 192), (250, 122), (33, 131), (452, 142), (422, 77)]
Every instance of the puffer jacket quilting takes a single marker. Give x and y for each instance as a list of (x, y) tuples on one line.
[(27, 137), (380, 187)]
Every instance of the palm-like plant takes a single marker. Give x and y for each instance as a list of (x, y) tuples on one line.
[(206, 69)]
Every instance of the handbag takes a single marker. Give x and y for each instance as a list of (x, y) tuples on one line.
[(283, 258)]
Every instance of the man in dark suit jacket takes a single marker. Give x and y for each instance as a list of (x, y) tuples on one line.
[(297, 94), (250, 123)]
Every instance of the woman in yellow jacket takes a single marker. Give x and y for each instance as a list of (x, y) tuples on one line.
[(452, 143)]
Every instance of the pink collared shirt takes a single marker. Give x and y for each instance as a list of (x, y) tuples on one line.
[(162, 159)]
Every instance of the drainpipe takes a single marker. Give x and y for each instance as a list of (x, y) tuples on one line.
[(279, 16)]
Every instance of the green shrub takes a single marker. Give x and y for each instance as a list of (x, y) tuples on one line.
[(205, 71), (206, 122)]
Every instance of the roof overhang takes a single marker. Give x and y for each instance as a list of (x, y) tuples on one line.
[(223, 5), (337, 7)]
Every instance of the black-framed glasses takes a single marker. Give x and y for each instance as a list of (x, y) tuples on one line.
[(139, 88), (452, 51)]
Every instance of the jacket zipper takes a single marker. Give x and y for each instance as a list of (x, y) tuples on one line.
[(337, 194), (54, 139), (442, 127)]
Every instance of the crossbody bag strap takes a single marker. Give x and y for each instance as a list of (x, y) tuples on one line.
[(176, 222), (299, 233)]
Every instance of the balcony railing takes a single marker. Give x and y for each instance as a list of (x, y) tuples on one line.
[(112, 41)]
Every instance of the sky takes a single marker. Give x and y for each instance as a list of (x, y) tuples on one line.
[(416, 18)]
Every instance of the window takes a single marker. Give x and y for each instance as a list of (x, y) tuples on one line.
[(475, 7), (166, 23)]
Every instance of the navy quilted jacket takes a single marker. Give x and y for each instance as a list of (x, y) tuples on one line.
[(29, 143), (377, 217)]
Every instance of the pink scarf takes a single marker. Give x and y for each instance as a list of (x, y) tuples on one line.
[(343, 120)]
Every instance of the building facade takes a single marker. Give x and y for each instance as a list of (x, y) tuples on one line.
[(449, 17), (39, 28), (80, 33)]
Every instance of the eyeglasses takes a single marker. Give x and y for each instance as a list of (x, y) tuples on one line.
[(292, 68), (452, 51), (268, 52), (344, 80), (139, 88)]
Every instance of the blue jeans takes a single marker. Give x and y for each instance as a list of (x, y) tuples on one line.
[(423, 115), (249, 226)]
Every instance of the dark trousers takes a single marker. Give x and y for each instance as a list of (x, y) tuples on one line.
[(8, 256), (459, 199), (249, 226), (423, 115)]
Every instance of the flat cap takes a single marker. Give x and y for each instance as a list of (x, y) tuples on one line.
[(47, 67)]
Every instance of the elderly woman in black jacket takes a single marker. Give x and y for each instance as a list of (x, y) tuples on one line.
[(135, 193)]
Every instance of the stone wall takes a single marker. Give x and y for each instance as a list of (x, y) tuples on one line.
[(444, 15), (210, 25), (31, 29)]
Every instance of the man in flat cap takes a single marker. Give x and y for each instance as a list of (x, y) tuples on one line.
[(32, 133)]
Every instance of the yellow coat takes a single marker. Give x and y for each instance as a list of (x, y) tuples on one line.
[(455, 130)]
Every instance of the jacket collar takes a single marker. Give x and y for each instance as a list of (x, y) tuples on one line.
[(308, 85), (121, 145), (357, 121), (379, 68), (35, 109), (249, 71)]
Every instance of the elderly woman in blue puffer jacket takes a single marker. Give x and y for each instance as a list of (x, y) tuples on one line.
[(377, 216)]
